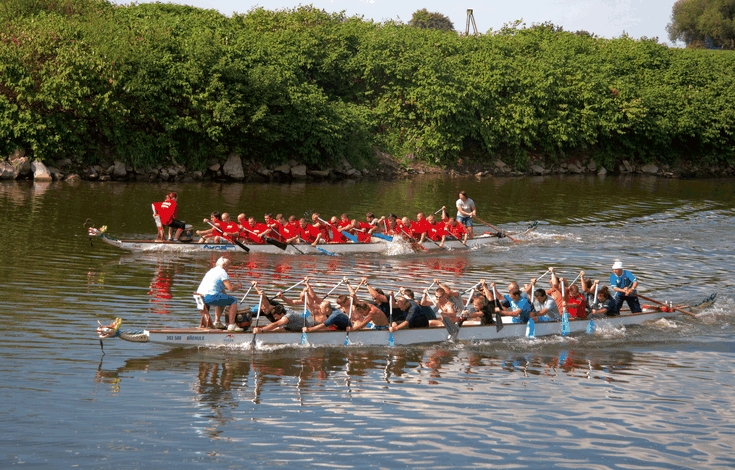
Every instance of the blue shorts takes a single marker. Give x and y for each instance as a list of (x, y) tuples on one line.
[(466, 221), (219, 300), (373, 326)]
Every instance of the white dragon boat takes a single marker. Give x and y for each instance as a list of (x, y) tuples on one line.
[(377, 245), (194, 337)]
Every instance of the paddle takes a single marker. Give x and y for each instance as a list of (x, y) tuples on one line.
[(353, 238), (414, 243), (666, 305), (303, 331), (455, 238), (498, 317), (565, 329), (496, 229), (257, 317), (247, 250), (382, 237), (246, 293), (269, 240), (591, 324), (391, 342), (326, 252), (467, 304), (347, 338)]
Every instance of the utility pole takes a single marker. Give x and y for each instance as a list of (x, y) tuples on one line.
[(470, 21)]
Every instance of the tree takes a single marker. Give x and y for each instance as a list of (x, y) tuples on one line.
[(431, 20), (698, 22)]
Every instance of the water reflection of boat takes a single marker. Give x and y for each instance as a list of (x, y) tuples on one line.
[(193, 337)]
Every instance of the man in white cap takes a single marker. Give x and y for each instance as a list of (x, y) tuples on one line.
[(213, 290), (624, 284)]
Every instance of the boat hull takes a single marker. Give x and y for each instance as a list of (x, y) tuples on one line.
[(190, 337), (377, 246)]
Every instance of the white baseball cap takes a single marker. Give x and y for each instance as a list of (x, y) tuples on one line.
[(617, 265)]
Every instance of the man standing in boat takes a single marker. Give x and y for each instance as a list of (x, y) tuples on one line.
[(214, 287), (465, 211), (624, 283)]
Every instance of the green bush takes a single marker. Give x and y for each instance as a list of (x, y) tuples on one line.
[(154, 82)]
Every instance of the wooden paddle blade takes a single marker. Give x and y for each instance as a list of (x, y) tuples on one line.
[(498, 322), (274, 242)]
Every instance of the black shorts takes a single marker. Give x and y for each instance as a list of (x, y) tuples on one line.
[(177, 224)]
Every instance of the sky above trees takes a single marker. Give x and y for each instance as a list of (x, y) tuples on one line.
[(606, 18)]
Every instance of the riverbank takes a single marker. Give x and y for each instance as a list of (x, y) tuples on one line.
[(235, 168)]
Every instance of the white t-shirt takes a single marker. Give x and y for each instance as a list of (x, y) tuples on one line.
[(467, 206), (213, 281)]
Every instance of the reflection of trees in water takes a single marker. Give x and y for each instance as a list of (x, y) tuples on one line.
[(224, 381)]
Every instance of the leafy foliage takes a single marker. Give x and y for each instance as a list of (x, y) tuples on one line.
[(698, 21), (154, 82), (431, 20)]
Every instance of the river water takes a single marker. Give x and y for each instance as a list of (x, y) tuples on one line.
[(655, 396)]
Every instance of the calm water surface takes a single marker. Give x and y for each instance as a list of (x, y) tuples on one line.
[(655, 396)]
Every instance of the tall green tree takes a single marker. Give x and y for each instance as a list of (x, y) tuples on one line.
[(696, 21), (431, 20)]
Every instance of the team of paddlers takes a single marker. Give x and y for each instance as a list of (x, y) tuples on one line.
[(404, 309), (343, 229)]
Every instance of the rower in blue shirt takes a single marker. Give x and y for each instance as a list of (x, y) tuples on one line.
[(518, 307), (624, 283)]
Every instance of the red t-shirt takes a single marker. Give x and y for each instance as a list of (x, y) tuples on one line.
[(363, 236), (276, 231), (458, 230), (229, 229), (290, 230), (257, 229), (337, 236), (167, 212), (411, 231), (309, 233), (435, 231), (323, 229), (577, 306), (420, 226)]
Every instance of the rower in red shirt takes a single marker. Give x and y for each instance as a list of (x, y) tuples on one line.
[(392, 225), (254, 231), (335, 235), (291, 230), (408, 229), (275, 226), (434, 230), (323, 229), (207, 236), (420, 225), (576, 303), (456, 230), (307, 233), (228, 230)]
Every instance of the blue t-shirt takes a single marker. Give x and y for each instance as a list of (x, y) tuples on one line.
[(522, 304), (625, 280), (415, 316), (339, 319)]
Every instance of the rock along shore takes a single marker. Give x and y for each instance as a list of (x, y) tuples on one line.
[(234, 168)]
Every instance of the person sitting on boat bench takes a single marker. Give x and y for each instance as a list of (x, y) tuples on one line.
[(410, 315), (481, 309), (518, 307), (287, 320), (366, 315), (545, 307), (210, 233), (624, 283), (213, 291), (379, 298), (605, 306), (338, 318)]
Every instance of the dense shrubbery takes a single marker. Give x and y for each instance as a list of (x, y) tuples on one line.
[(144, 83)]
